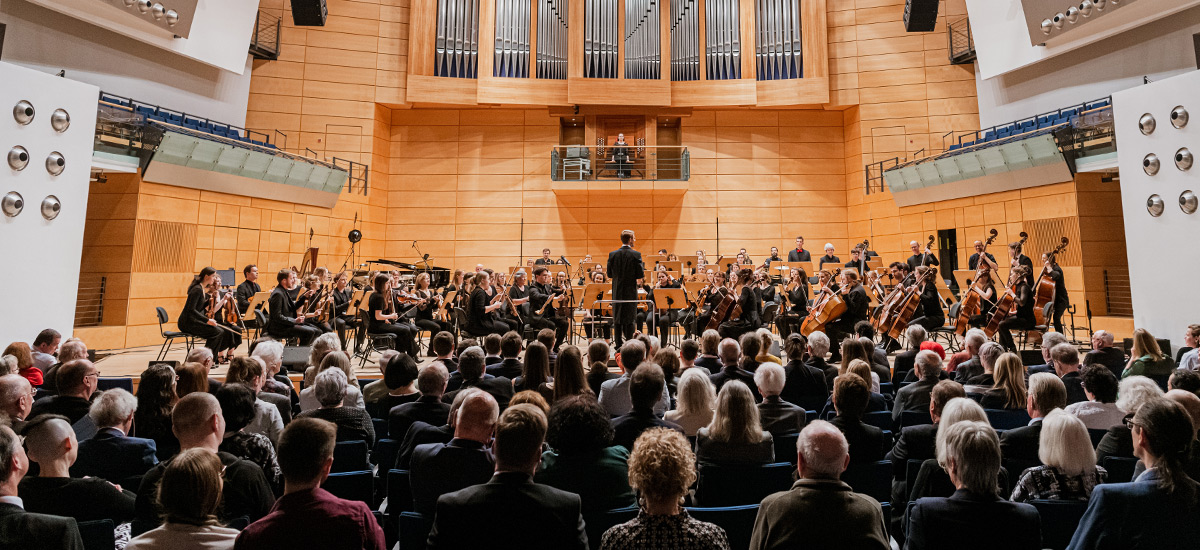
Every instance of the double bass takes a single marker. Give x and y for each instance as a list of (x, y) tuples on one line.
[(1006, 305), (828, 306), (1045, 286), (907, 307), (972, 301)]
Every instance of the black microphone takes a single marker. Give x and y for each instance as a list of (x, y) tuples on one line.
[(564, 260)]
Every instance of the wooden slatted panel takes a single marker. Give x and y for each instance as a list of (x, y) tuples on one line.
[(164, 247), (1046, 234)]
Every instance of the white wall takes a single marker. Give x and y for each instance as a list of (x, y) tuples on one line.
[(41, 275), (48, 41), (1162, 303), (1157, 50)]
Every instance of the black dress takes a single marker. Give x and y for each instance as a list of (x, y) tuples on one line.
[(424, 317), (749, 320), (403, 332), (481, 322), (194, 320)]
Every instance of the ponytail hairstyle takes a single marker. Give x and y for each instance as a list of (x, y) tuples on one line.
[(1169, 434), (206, 272)]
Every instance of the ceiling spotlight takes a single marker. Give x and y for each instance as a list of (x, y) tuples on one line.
[(158, 10), (1147, 124), (23, 112), (12, 204), (1058, 20), (60, 120), (50, 207), (18, 158), (1072, 14), (1047, 26), (1150, 164), (1187, 202), (1085, 8), (1154, 205), (1179, 117), (144, 5), (55, 163), (1183, 159), (172, 18)]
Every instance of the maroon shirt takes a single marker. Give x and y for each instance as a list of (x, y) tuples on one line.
[(314, 519)]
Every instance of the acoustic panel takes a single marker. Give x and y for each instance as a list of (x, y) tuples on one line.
[(920, 15), (309, 13)]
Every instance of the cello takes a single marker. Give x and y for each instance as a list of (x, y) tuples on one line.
[(1045, 285), (828, 306), (907, 306), (972, 302), (728, 308), (1006, 305)]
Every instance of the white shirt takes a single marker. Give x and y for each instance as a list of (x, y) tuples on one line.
[(267, 421), (14, 500), (177, 536), (1191, 360), (43, 361), (1096, 415), (614, 397)]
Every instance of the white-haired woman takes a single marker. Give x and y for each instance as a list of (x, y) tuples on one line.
[(735, 435), (1068, 470), (1133, 392), (336, 360), (324, 345), (694, 405), (353, 423), (932, 479)]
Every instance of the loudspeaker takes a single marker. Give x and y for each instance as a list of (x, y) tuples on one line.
[(313, 13), (2, 25), (1195, 41), (295, 358), (919, 15)]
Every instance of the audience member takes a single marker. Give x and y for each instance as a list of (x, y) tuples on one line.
[(818, 347), (615, 394), (466, 460), (750, 346), (237, 408), (668, 361), (333, 360), (77, 381), (730, 353), (1066, 366), (850, 396), (535, 372), (401, 383), (646, 388), (583, 459), (932, 479), (323, 346), (510, 366), (1147, 359), (766, 340), (1150, 512), (16, 398), (353, 423), (710, 342), (1133, 392), (989, 353), (569, 378), (111, 454), (491, 345), (1100, 411), (852, 350), (20, 529), (917, 443), (251, 373), (971, 457), (156, 396), (204, 356), (915, 396), (428, 408), (25, 364), (192, 377), (1068, 470), (373, 392), (876, 402), (598, 352), (420, 433), (689, 350), (1009, 391), (45, 346), (1049, 340), (878, 356), (1189, 355), (971, 367), (70, 350), (190, 497), (510, 510), (661, 468), (904, 361), (820, 511), (736, 435), (777, 416), (271, 353), (1046, 393), (803, 385), (52, 444), (307, 516), (442, 348), (696, 399), (1186, 380), (1103, 353), (471, 369)]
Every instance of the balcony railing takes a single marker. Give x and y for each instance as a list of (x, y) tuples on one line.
[(265, 42), (634, 163)]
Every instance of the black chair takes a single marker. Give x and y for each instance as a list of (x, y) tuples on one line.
[(737, 521), (98, 535), (785, 447), (414, 530), (879, 419), (350, 456), (169, 336), (874, 480), (1120, 469), (596, 524), (1060, 518), (915, 418), (399, 492), (1007, 419), (381, 427), (734, 485), (887, 388), (1096, 436), (375, 343), (358, 485), (109, 382)]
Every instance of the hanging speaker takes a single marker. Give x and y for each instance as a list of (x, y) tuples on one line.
[(920, 15), (311, 13), (354, 236), (2, 25)]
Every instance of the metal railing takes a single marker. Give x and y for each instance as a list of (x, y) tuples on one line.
[(1118, 298), (962, 44), (358, 171), (89, 304), (265, 42), (634, 162)]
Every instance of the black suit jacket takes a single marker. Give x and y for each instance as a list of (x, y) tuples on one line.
[(282, 310), (114, 456), (428, 409), (904, 363), (501, 388), (509, 368), (440, 468), (21, 530), (625, 267), (713, 364), (866, 441), (799, 256), (780, 417), (69, 406), (1022, 443), (419, 434), (804, 386), (1110, 357), (965, 519), (245, 493), (733, 372), (913, 397), (528, 515), (915, 443), (1074, 383), (627, 428)]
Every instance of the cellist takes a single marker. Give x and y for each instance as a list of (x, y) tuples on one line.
[(1061, 302), (1022, 319), (929, 313), (986, 289), (749, 302), (857, 304), (795, 294)]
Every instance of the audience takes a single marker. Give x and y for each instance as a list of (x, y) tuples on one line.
[(25, 365), (428, 408), (55, 490), (904, 361), (668, 361), (466, 460), (307, 516), (442, 348), (696, 399), (1158, 509), (1049, 340), (1133, 392), (1046, 393), (1186, 380), (777, 416), (1066, 366), (204, 356), (989, 353), (1009, 390), (156, 397), (710, 342), (77, 381), (16, 399), (333, 360), (510, 510), (251, 373), (111, 454), (971, 366), (915, 396), (1068, 470), (765, 340), (615, 394), (661, 468), (736, 435), (535, 372), (1147, 359), (400, 383), (237, 409), (192, 377), (1189, 355), (730, 353), (583, 459), (646, 388), (70, 350), (420, 433), (271, 353), (353, 423), (917, 443), (45, 346), (876, 402), (323, 346), (850, 396), (803, 385), (598, 352), (971, 457), (1103, 353), (750, 346), (189, 496), (1100, 411), (689, 350), (820, 511), (510, 366), (932, 479), (569, 378), (818, 347), (491, 345), (471, 369), (20, 529)]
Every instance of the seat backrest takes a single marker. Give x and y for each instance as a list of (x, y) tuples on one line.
[(733, 485), (1007, 419), (915, 418), (1096, 436), (350, 456), (737, 521), (98, 535), (785, 447), (162, 317), (879, 419), (597, 523), (385, 453), (874, 480), (358, 486), (399, 492), (414, 530), (110, 382), (1120, 468), (1060, 518)]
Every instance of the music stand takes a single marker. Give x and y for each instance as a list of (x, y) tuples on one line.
[(358, 300), (725, 262), (594, 292), (667, 300), (806, 266), (674, 266), (258, 300), (688, 262)]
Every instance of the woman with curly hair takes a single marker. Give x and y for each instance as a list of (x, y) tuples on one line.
[(156, 399), (661, 468), (583, 459)]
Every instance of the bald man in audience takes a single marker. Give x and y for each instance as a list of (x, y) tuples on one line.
[(1103, 353), (77, 381), (16, 399), (820, 511), (440, 468), (21, 529), (51, 443)]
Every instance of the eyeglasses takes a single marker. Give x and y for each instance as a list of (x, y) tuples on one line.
[(96, 374), (1129, 423)]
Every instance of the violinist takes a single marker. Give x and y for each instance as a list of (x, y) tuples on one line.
[(313, 299), (456, 285), (248, 288), (857, 304), (919, 258), (764, 288), (219, 303), (383, 315), (430, 300), (540, 292), (987, 298), (196, 320), (1023, 318), (929, 313), (340, 298), (795, 296), (1061, 302), (988, 258), (750, 305), (1019, 259), (712, 297), (286, 321), (482, 313), (594, 324)]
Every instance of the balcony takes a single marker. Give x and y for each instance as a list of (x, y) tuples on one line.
[(602, 168)]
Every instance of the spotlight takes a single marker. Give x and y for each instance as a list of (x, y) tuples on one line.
[(1187, 202), (12, 204), (50, 207), (1072, 14), (1150, 164), (23, 112), (55, 163), (144, 5), (1179, 117), (172, 18), (18, 158), (60, 120), (1085, 8), (158, 10), (1154, 205), (1147, 124), (1058, 20), (1047, 26), (354, 235), (1183, 159)]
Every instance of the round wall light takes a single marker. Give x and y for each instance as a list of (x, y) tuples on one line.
[(12, 204), (1154, 205), (51, 207), (1147, 124), (1179, 117), (55, 163), (1187, 202), (1150, 164), (18, 158), (23, 112)]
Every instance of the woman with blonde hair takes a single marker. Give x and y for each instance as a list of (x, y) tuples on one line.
[(1008, 391), (694, 406), (735, 435), (1068, 470), (1147, 359), (189, 495)]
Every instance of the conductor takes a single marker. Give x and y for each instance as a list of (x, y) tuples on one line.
[(625, 267)]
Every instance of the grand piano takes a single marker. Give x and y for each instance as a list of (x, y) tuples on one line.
[(438, 276)]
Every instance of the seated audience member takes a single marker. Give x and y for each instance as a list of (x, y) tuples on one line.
[(877, 355), (353, 423), (271, 353), (710, 342), (204, 356), (850, 395), (237, 408), (689, 351), (731, 365), (906, 360), (803, 385), (1049, 340), (510, 366), (971, 367), (535, 372), (251, 373), (598, 352), (307, 516), (820, 511), (111, 454), (1103, 353), (25, 364), (696, 399), (876, 402), (1066, 366), (442, 348), (777, 416), (533, 398), (510, 510), (662, 467), (193, 378), (189, 496), (399, 384), (332, 360), (764, 354), (198, 423), (1100, 411), (421, 433), (1046, 393), (582, 458), (917, 443), (428, 408), (45, 345), (646, 388), (21, 529), (989, 353), (471, 369), (932, 479), (569, 378), (491, 345), (155, 398), (615, 394), (1132, 393), (915, 396), (970, 454), (668, 361), (1147, 359), (1186, 380), (77, 381), (1158, 509), (1009, 391), (323, 346), (1188, 356), (735, 435), (51, 443), (466, 460), (16, 398), (70, 350), (818, 347), (1068, 470)]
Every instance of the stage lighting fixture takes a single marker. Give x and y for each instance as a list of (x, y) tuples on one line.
[(18, 158), (51, 207), (12, 204), (55, 163), (23, 112), (1150, 164), (60, 120)]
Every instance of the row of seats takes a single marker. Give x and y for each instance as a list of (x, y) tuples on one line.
[(1040, 122), (153, 112)]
